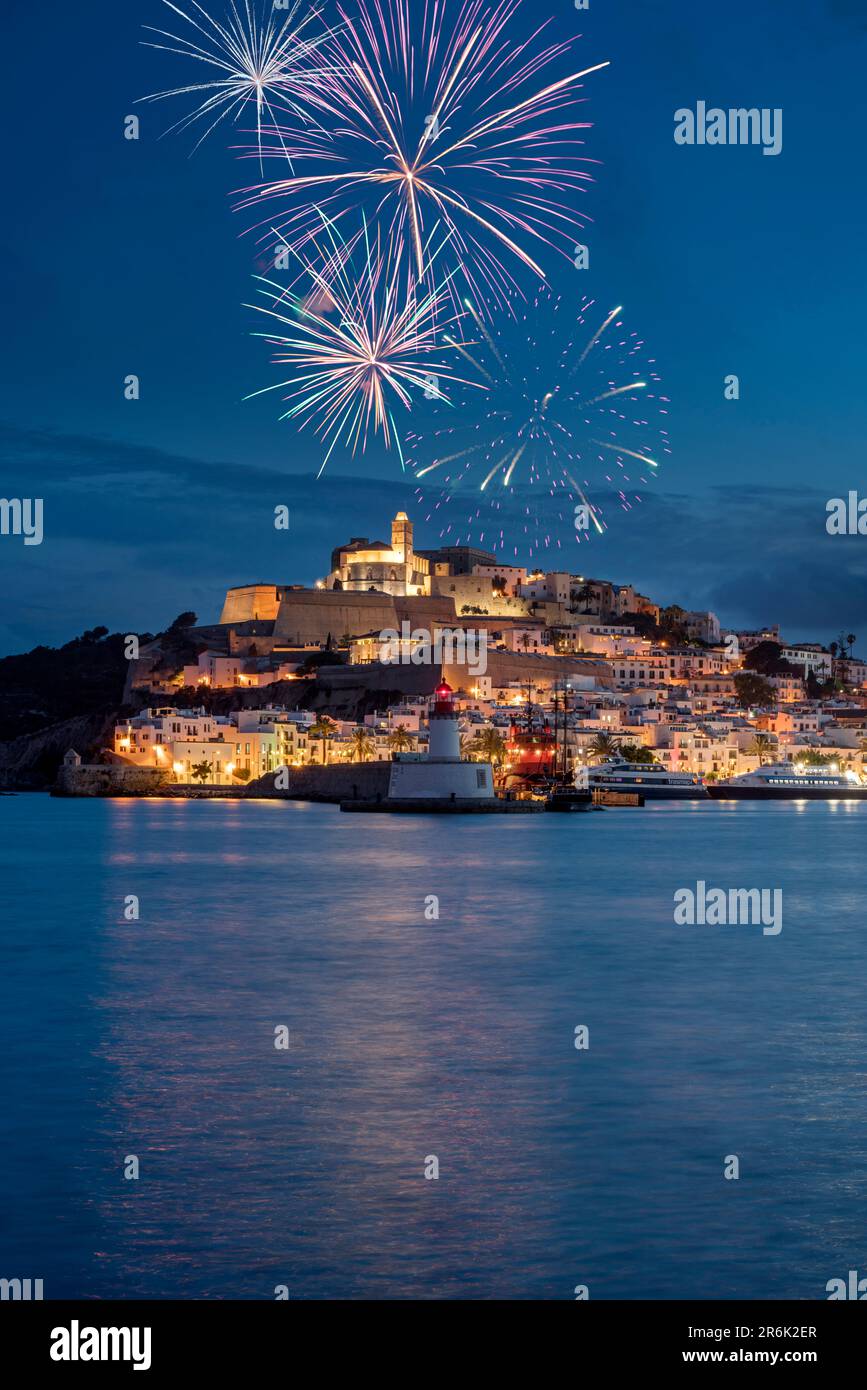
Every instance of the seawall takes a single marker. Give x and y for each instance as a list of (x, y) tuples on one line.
[(92, 779), (340, 782)]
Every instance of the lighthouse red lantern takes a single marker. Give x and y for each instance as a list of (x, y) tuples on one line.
[(443, 702)]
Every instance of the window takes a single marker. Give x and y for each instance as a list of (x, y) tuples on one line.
[(481, 777)]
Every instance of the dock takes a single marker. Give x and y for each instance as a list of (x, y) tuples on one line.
[(604, 796)]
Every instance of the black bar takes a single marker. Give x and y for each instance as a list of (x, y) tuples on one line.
[(220, 1338)]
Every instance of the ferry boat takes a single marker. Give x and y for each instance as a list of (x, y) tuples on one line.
[(653, 782), (787, 781)]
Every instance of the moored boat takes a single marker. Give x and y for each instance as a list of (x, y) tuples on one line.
[(788, 781), (650, 780)]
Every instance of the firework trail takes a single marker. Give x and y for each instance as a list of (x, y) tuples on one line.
[(571, 408), (432, 118), (251, 59), (358, 340)]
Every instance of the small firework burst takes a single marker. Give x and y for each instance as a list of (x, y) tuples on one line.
[(571, 420), (358, 340), (254, 59)]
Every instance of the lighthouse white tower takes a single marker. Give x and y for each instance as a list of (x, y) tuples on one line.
[(445, 740), (443, 775)]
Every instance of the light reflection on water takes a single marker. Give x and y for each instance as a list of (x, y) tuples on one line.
[(412, 1037)]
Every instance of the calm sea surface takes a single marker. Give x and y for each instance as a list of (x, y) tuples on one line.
[(410, 1038)]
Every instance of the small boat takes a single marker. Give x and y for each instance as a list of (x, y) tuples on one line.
[(563, 796), (649, 780), (788, 781)]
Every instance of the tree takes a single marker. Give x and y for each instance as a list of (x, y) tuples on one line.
[(362, 745), (489, 746), (323, 729), (636, 753), (814, 759), (672, 623), (584, 595), (314, 660), (752, 689), (202, 772), (603, 748), (183, 620), (761, 746), (766, 658), (399, 740), (241, 774)]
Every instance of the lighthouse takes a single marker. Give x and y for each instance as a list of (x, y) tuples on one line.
[(442, 775), (445, 740)]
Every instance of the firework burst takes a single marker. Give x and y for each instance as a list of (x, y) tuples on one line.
[(252, 60), (358, 339), (432, 118), (571, 411)]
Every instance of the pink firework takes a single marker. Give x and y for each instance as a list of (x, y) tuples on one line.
[(357, 341), (444, 126)]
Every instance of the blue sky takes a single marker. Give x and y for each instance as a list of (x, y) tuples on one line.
[(126, 257)]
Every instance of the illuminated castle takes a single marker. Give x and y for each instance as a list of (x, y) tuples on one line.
[(390, 569)]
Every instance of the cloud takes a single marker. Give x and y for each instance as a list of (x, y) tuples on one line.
[(133, 536)]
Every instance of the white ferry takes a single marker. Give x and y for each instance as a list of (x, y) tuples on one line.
[(648, 779), (788, 781)]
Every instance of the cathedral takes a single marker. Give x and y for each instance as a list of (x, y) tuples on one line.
[(391, 569)]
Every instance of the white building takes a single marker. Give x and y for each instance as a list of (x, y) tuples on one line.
[(810, 658)]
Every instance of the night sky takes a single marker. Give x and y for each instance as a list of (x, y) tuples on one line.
[(125, 257)]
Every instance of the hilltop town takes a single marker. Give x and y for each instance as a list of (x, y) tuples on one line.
[(292, 677)]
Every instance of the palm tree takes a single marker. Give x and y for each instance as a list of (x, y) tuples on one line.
[(202, 772), (636, 753), (489, 746), (323, 729), (399, 740), (362, 745), (602, 748), (761, 746), (585, 595)]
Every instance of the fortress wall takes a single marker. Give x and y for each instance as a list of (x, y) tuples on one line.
[(309, 615), (249, 602), (504, 667), (477, 591)]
